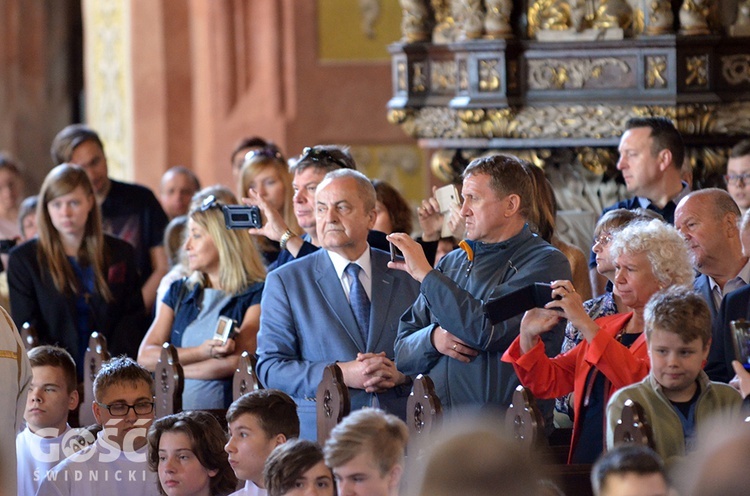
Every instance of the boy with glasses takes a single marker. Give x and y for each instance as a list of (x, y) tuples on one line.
[(116, 463)]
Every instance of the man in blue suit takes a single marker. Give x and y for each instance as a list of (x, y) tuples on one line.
[(708, 219), (315, 310)]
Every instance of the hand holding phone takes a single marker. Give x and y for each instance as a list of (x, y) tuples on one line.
[(447, 196)]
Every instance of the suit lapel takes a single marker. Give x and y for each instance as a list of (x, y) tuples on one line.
[(330, 289), (383, 287)]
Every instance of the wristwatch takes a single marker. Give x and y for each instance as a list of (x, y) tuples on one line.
[(285, 238)]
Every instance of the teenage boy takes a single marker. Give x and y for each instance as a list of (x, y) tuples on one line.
[(677, 395), (629, 469), (366, 453), (115, 465), (258, 422), (46, 439)]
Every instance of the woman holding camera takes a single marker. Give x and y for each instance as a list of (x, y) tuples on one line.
[(72, 279), (220, 298)]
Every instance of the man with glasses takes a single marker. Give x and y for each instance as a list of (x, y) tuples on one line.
[(116, 463), (651, 157), (708, 219), (309, 170), (738, 174)]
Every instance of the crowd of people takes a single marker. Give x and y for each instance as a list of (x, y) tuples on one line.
[(337, 274)]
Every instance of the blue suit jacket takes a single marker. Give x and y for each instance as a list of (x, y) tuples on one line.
[(306, 323), (735, 305)]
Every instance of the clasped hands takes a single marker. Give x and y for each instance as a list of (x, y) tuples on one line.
[(373, 372)]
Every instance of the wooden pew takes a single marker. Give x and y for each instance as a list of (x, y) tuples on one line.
[(632, 426), (423, 409), (245, 379), (332, 400), (170, 381), (524, 421), (29, 336), (95, 355)]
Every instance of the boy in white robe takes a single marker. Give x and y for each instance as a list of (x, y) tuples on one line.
[(46, 439), (115, 465)]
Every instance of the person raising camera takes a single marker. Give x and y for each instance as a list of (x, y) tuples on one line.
[(223, 291)]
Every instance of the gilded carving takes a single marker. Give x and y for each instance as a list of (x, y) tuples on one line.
[(419, 77), (697, 70), (694, 17), (638, 25), (597, 160), (554, 15), (512, 75), (489, 75), (497, 21), (416, 22), (463, 76), (443, 75), (567, 74), (469, 16), (445, 25), (660, 17), (567, 121), (736, 68), (401, 75), (656, 68)]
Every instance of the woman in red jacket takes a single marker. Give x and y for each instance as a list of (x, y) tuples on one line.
[(649, 256)]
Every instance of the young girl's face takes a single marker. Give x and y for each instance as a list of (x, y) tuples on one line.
[(180, 471), (317, 481)]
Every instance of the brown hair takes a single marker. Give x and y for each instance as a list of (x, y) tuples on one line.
[(396, 205), (325, 158), (274, 410), (62, 180), (507, 176), (740, 149), (678, 309), (54, 356), (288, 462), (69, 139), (118, 370), (207, 440), (664, 136)]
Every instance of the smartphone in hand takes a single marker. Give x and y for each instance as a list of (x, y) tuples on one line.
[(447, 196), (396, 255)]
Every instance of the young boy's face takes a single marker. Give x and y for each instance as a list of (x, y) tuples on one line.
[(676, 364), (128, 431), (361, 476), (249, 446), (632, 484), (49, 401)]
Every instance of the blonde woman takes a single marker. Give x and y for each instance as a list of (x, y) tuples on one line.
[(265, 172), (226, 281)]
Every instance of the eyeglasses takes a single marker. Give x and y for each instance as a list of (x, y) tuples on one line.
[(266, 152), (122, 409), (603, 239), (737, 178), (321, 155), (210, 202)]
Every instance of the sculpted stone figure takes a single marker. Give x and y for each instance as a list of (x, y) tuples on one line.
[(694, 17), (741, 26), (659, 17), (416, 20), (469, 16), (497, 18)]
